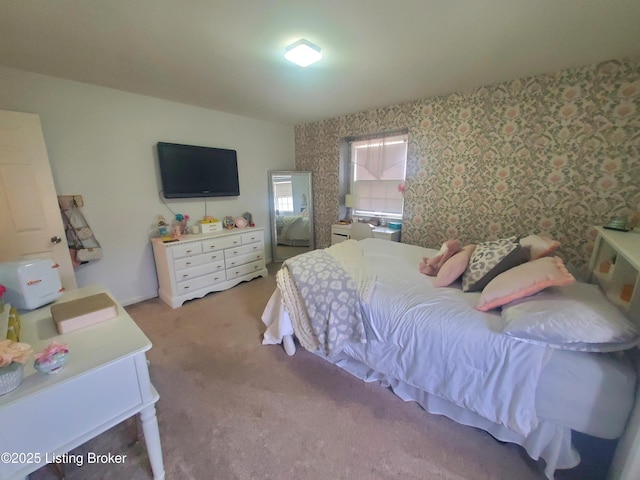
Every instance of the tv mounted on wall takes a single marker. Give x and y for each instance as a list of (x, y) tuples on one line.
[(189, 171)]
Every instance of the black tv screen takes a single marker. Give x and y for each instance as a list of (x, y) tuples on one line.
[(189, 171)]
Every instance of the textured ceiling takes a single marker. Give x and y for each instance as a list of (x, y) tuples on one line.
[(228, 55)]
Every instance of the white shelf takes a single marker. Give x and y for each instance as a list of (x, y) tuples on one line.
[(622, 249)]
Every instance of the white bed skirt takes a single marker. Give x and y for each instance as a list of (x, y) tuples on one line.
[(549, 441)]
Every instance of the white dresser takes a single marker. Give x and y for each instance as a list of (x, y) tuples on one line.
[(198, 264), (340, 233)]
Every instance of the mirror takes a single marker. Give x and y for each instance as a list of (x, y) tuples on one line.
[(291, 207)]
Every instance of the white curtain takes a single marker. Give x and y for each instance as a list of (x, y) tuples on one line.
[(378, 168), (380, 158)]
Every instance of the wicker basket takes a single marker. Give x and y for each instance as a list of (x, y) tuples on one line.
[(10, 377)]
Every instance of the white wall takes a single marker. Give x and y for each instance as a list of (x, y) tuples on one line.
[(102, 145)]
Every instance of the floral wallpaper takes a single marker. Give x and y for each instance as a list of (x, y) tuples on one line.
[(551, 154)]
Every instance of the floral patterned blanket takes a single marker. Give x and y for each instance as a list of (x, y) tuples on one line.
[(322, 291)]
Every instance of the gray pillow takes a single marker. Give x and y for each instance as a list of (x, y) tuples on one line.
[(489, 260)]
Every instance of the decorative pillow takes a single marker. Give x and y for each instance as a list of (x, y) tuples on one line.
[(537, 246), (431, 266), (454, 267), (574, 317), (490, 259), (524, 280)]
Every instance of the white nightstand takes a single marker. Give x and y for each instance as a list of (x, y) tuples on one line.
[(340, 233)]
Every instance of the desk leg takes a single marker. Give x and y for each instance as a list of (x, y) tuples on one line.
[(152, 440)]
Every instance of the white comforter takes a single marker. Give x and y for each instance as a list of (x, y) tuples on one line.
[(433, 339)]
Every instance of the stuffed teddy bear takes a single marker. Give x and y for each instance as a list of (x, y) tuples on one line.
[(431, 266)]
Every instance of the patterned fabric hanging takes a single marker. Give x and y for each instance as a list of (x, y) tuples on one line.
[(83, 245)]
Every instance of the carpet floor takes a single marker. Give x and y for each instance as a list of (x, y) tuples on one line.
[(232, 409)]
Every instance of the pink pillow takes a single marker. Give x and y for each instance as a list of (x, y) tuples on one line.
[(454, 267), (524, 280), (431, 266), (537, 246)]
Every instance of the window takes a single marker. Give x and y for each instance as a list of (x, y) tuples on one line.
[(378, 168), (283, 193)]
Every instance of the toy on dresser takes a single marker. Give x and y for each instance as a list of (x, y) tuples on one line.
[(163, 228)]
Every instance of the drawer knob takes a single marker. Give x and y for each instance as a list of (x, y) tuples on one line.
[(189, 251), (188, 263)]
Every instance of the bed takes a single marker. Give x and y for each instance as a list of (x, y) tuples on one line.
[(293, 230), (389, 323)]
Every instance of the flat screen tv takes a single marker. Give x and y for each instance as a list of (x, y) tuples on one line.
[(189, 171)]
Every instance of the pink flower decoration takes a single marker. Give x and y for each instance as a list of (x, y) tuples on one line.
[(11, 351), (401, 187), (52, 349)]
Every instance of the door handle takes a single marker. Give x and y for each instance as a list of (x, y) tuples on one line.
[(56, 239)]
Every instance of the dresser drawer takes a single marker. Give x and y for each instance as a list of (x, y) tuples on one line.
[(243, 250), (200, 270), (187, 249), (246, 269), (220, 243), (199, 282), (242, 259), (188, 262), (252, 237)]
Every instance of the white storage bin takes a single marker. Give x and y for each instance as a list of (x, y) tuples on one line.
[(211, 227)]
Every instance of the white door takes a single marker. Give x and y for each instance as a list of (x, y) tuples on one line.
[(30, 220)]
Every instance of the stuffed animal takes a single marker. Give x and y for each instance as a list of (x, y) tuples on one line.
[(162, 226), (431, 266)]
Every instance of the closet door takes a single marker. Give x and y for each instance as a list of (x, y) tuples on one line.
[(30, 221)]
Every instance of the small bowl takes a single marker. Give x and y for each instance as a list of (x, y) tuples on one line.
[(52, 364)]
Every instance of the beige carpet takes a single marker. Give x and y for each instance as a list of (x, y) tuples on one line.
[(231, 408)]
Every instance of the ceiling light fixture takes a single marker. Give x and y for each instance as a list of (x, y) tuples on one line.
[(303, 53)]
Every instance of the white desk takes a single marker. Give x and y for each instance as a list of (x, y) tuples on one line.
[(340, 233), (105, 381)]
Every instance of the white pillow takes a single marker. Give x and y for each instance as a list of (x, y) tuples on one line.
[(572, 317)]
